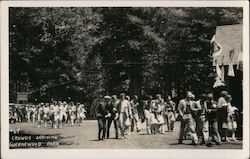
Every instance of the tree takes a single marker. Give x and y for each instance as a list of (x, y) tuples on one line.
[(81, 52)]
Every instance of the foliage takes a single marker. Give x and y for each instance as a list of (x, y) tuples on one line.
[(80, 52)]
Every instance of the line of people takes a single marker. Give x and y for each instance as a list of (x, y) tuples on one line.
[(54, 114), (203, 121)]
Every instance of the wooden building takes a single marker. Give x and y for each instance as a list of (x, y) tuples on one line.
[(230, 38)]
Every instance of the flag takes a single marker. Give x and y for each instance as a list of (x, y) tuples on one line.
[(220, 76), (222, 70), (218, 83), (218, 71), (218, 50), (240, 59), (213, 39), (222, 73), (230, 67)]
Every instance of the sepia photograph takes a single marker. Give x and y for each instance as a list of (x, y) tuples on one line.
[(126, 77)]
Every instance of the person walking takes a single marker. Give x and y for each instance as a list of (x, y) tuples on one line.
[(135, 116), (222, 113), (159, 113), (114, 116), (212, 118), (124, 114), (170, 113), (147, 113), (102, 115), (202, 123), (230, 124), (184, 109)]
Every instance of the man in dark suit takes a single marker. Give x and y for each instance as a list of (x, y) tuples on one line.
[(112, 108), (102, 115)]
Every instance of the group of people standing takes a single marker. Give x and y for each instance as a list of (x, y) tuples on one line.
[(55, 114), (124, 113), (203, 120)]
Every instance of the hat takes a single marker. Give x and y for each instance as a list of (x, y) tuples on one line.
[(228, 96), (114, 96), (210, 96), (107, 97), (224, 93), (192, 96), (203, 96), (127, 97), (189, 94), (122, 94), (158, 95)]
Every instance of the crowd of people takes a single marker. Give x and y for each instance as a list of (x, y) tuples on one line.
[(55, 114), (206, 117), (124, 113), (203, 120)]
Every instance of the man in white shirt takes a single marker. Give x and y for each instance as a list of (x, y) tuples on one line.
[(185, 111), (124, 114)]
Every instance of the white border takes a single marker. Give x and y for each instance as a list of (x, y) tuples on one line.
[(120, 153)]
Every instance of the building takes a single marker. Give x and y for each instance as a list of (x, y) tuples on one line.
[(230, 38)]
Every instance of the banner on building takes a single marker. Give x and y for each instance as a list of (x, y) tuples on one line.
[(230, 67), (240, 60), (217, 46)]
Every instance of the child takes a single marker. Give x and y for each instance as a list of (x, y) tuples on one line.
[(82, 112), (153, 124), (231, 124)]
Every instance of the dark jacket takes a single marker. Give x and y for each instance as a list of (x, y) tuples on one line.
[(102, 110), (112, 110)]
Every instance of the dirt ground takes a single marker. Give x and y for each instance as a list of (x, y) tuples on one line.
[(85, 137)]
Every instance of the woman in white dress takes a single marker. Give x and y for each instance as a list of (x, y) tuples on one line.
[(124, 114), (82, 111), (230, 124), (34, 113), (46, 115), (40, 115), (56, 115), (72, 113)]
